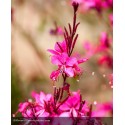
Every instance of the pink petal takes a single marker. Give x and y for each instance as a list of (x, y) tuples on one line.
[(74, 112), (65, 114), (48, 97), (53, 52), (36, 96), (82, 60), (71, 61), (69, 71), (64, 57), (56, 60), (62, 45), (23, 106), (54, 75)]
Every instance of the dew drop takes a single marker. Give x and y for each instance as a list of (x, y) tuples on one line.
[(95, 102), (77, 80), (13, 115), (112, 87), (104, 75), (110, 82), (29, 100), (93, 73)]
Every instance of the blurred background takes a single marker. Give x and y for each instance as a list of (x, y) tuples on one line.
[(32, 21)]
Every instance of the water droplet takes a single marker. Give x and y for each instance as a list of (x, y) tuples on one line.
[(112, 87), (13, 115), (110, 82), (93, 73), (95, 102), (104, 75), (29, 100), (77, 80)]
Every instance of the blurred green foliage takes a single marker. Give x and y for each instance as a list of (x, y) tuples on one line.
[(16, 95)]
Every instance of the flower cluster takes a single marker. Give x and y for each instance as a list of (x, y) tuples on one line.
[(68, 65), (57, 30), (97, 5), (102, 48), (45, 105), (69, 104), (103, 110), (55, 109), (57, 105)]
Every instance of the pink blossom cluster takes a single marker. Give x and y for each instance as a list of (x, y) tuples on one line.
[(68, 65), (103, 110), (103, 48), (97, 5), (70, 104), (57, 30), (47, 105)]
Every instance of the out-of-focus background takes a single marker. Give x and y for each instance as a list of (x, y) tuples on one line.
[(32, 21)]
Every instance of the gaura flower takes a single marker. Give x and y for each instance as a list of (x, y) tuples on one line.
[(89, 48), (108, 4), (57, 31), (106, 60), (73, 107), (44, 105), (66, 64), (105, 43), (92, 4), (103, 110)]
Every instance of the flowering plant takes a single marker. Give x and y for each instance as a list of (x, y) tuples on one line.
[(63, 102)]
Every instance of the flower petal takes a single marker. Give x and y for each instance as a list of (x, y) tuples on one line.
[(82, 60), (53, 52), (71, 61), (54, 75), (56, 60), (69, 71)]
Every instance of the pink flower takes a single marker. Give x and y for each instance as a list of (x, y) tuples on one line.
[(66, 64), (57, 31), (39, 108), (60, 47), (108, 4), (92, 4), (105, 43), (26, 109), (103, 110), (23, 106), (45, 105), (42, 98), (90, 49), (106, 60), (71, 108)]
